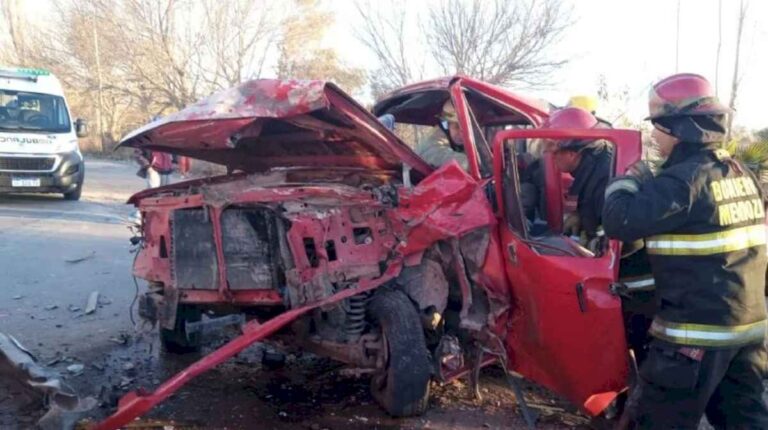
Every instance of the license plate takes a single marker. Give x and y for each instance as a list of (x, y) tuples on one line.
[(25, 182)]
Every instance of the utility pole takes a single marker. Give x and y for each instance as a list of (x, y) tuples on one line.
[(100, 106), (677, 40), (736, 76), (719, 43)]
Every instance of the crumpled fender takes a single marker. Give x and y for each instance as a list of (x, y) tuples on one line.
[(447, 204)]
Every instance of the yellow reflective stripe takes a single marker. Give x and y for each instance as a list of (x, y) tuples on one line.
[(708, 335), (708, 243), (629, 185)]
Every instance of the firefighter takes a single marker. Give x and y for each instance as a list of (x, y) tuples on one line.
[(587, 103), (703, 220), (444, 143), (589, 162)]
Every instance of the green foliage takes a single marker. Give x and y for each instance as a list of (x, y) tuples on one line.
[(753, 154)]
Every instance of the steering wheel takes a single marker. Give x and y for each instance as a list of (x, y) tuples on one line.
[(36, 119)]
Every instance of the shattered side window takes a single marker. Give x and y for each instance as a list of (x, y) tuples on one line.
[(513, 206)]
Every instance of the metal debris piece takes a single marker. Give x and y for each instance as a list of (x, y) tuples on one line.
[(55, 361), (122, 339), (93, 302), (73, 308), (18, 297), (75, 368), (51, 307), (65, 407), (81, 259)]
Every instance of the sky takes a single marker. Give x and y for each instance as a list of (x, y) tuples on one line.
[(632, 42)]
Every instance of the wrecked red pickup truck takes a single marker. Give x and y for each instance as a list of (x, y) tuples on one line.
[(329, 226)]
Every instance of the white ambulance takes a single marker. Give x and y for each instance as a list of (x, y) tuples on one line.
[(39, 151)]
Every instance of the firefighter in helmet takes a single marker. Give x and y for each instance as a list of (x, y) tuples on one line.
[(703, 220), (446, 142), (589, 162), (587, 103)]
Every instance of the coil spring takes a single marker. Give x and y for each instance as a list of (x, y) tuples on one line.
[(355, 309)]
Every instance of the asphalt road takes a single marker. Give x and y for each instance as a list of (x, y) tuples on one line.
[(55, 253)]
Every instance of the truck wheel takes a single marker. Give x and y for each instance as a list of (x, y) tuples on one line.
[(74, 194), (402, 386), (176, 340)]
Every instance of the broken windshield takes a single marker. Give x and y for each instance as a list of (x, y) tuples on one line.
[(33, 112)]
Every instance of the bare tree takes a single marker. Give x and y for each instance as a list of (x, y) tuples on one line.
[(16, 31), (240, 36), (301, 55), (384, 31), (500, 41), (736, 80)]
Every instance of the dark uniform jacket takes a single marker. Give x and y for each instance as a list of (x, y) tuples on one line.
[(703, 221), (589, 181)]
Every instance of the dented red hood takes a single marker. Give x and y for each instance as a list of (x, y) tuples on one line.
[(268, 123)]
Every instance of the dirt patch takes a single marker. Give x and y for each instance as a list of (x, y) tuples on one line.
[(306, 393)]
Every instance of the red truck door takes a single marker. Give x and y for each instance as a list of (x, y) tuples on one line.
[(566, 331)]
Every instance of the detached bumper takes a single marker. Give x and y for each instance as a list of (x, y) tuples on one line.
[(29, 174)]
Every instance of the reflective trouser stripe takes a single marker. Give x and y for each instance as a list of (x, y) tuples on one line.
[(708, 335), (627, 184), (707, 244), (639, 284)]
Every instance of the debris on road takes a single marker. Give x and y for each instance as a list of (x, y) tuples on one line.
[(93, 302), (73, 308), (56, 360), (121, 339), (18, 297), (81, 259), (75, 368), (19, 366), (51, 307), (125, 382)]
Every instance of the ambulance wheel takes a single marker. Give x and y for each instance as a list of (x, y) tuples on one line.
[(401, 387), (75, 194), (176, 341)]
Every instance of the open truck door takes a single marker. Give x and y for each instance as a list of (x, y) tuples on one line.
[(567, 331)]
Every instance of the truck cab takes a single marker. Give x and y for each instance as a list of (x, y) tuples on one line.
[(39, 151), (565, 327)]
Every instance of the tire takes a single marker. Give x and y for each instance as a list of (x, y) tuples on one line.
[(75, 194), (402, 388), (176, 341)]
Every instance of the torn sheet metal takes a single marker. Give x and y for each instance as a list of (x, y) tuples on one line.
[(18, 366), (448, 204), (268, 123), (137, 403)]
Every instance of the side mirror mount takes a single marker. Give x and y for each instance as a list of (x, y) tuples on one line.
[(81, 128)]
